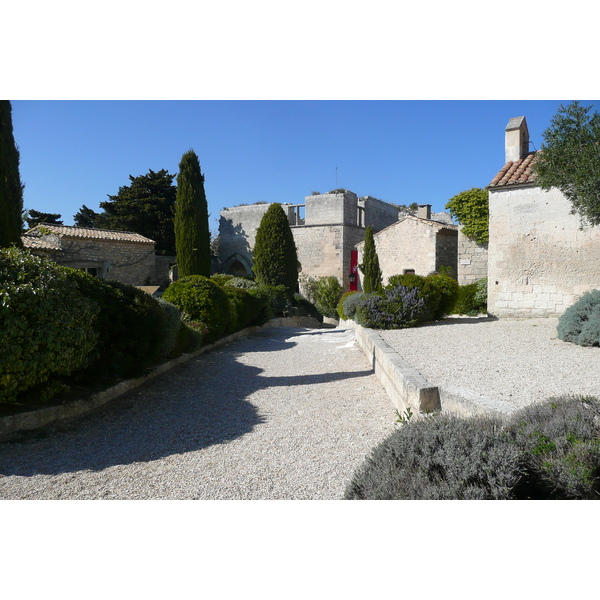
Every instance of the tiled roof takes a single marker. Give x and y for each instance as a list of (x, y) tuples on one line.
[(518, 172), (89, 233), (38, 243)]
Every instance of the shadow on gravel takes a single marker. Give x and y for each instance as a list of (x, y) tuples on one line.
[(195, 405)]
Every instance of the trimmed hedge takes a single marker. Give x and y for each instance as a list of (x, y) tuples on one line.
[(340, 306), (394, 308), (549, 450), (46, 324), (204, 302)]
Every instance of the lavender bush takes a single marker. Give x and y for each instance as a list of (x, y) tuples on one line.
[(395, 308)]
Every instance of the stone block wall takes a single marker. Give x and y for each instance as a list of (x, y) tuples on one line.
[(331, 209), (121, 261), (378, 214), (472, 260), (539, 260)]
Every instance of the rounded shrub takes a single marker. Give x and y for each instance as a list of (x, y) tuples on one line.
[(428, 291), (340, 306), (580, 323), (327, 295), (394, 308), (46, 324), (202, 300), (306, 308), (447, 288), (470, 300), (351, 303), (440, 458), (242, 283)]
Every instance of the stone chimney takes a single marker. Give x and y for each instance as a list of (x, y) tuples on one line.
[(516, 139), (424, 211)]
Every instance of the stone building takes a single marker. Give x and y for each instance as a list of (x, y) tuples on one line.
[(326, 229), (117, 255), (472, 259), (540, 259), (416, 244)]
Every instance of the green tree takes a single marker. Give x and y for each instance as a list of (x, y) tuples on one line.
[(11, 188), (471, 209), (570, 160), (192, 236), (372, 278), (35, 217), (146, 206), (275, 256), (86, 217)]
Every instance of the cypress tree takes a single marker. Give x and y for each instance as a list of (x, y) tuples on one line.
[(372, 279), (192, 237), (275, 257), (11, 189)]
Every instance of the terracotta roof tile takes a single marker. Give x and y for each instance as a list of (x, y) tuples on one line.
[(38, 243), (90, 233), (518, 172)]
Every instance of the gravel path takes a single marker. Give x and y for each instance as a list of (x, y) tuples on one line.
[(284, 414), (516, 361)]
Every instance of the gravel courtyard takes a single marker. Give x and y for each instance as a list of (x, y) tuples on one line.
[(284, 414), (515, 361)]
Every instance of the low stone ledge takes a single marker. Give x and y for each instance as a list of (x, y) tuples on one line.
[(36, 419), (404, 385)]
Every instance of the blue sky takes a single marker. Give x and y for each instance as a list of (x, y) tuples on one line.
[(77, 152)]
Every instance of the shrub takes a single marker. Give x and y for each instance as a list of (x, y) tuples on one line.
[(440, 458), (46, 324), (352, 302), (280, 301), (172, 325), (340, 306), (430, 293), (447, 288), (241, 283), (394, 308), (246, 307), (469, 299), (202, 300), (324, 292), (262, 297), (306, 308), (580, 323), (221, 278), (372, 279), (561, 442), (130, 327)]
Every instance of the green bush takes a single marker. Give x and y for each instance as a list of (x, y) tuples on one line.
[(549, 450), (202, 300), (306, 308), (340, 306), (352, 302), (131, 326), (246, 307), (580, 323), (471, 299), (447, 288), (242, 283), (171, 330), (440, 458), (394, 308), (46, 324), (561, 442), (221, 278), (280, 301), (430, 292)]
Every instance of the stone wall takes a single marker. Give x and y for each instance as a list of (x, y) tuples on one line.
[(446, 249), (472, 260), (121, 261), (539, 260), (378, 214)]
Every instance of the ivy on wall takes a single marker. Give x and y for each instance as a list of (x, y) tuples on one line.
[(471, 209)]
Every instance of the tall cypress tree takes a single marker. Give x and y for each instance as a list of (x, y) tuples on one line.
[(11, 189), (372, 279), (275, 258), (192, 237)]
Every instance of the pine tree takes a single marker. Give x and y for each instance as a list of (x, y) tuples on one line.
[(372, 279), (11, 189), (192, 236), (275, 256), (35, 217)]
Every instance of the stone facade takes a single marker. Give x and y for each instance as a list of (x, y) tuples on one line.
[(540, 259), (326, 229), (414, 244), (117, 255), (472, 260)]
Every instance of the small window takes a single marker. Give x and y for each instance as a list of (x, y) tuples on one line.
[(91, 270), (408, 272)]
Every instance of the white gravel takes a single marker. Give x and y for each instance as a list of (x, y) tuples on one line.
[(285, 414), (516, 361)]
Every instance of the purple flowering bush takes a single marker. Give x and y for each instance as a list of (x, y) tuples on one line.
[(393, 308)]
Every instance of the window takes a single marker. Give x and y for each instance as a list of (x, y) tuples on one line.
[(408, 272), (91, 270)]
